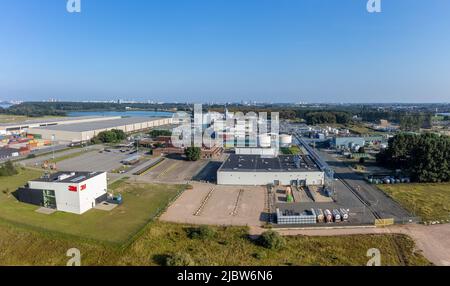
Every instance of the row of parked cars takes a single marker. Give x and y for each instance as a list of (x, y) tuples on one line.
[(388, 180)]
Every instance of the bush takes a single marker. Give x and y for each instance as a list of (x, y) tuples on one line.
[(193, 153), (31, 156), (8, 169), (259, 255), (271, 240), (362, 160), (111, 136), (202, 232), (157, 133), (180, 259)]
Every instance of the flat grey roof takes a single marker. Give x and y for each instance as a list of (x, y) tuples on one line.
[(96, 125), (50, 120), (257, 163), (70, 177)]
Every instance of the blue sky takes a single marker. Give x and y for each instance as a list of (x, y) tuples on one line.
[(226, 50)]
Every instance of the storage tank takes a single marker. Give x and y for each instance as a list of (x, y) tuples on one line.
[(264, 141), (285, 140)]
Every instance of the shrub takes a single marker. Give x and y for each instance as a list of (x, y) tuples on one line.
[(259, 255), (271, 240), (180, 259), (193, 153), (202, 232), (8, 169)]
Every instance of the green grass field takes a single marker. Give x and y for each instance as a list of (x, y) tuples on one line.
[(6, 118), (429, 201), (231, 246), (128, 236), (10, 184), (142, 202)]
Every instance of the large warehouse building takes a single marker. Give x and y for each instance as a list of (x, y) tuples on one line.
[(24, 126), (73, 192), (80, 132), (254, 170)]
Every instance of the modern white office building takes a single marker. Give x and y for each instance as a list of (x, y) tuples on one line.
[(73, 192)]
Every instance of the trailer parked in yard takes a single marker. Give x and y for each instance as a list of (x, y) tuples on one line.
[(336, 215), (328, 216), (344, 214), (320, 216)]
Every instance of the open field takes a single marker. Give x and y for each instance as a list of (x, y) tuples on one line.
[(230, 246), (6, 118), (142, 202), (429, 201)]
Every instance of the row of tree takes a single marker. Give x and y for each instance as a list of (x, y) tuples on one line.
[(426, 156), (111, 136), (328, 117)]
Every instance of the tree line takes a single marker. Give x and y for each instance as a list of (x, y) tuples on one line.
[(426, 156), (111, 136)]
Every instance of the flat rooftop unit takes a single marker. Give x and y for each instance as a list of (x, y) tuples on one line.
[(53, 121), (257, 163), (67, 177), (97, 125)]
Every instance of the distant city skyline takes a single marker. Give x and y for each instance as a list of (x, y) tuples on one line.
[(226, 51)]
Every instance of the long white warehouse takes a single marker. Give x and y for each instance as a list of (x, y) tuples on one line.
[(24, 126), (255, 170), (81, 132)]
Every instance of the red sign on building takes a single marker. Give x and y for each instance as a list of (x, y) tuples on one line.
[(73, 188)]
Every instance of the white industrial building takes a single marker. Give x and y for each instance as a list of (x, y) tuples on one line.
[(24, 126), (254, 170), (81, 132), (73, 192)]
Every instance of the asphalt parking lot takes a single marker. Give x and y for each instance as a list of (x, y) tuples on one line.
[(94, 161), (218, 205), (379, 201), (175, 171)]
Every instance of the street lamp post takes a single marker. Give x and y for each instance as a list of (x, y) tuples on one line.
[(53, 146)]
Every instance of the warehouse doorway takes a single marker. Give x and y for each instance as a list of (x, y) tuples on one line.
[(49, 199)]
